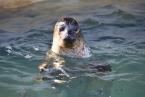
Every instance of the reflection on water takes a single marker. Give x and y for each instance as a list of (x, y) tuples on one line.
[(114, 30)]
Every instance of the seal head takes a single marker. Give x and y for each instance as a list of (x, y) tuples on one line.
[(66, 29)]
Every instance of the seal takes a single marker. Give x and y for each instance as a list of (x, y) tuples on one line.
[(67, 41)]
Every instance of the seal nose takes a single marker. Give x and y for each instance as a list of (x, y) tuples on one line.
[(69, 32), (70, 37), (69, 40)]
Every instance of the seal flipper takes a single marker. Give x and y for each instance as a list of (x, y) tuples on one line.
[(53, 71), (100, 67)]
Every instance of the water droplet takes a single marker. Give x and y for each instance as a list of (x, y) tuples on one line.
[(8, 51), (9, 47), (28, 56), (59, 81), (53, 87), (36, 48)]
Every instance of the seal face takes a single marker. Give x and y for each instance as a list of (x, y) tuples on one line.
[(67, 30)]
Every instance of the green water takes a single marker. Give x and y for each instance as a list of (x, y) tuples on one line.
[(114, 30)]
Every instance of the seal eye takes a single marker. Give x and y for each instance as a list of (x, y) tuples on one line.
[(61, 28)]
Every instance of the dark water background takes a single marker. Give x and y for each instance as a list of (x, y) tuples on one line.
[(114, 30)]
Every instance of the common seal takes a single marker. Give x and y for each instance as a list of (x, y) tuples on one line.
[(67, 41)]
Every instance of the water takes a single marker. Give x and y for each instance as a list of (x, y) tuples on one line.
[(114, 30)]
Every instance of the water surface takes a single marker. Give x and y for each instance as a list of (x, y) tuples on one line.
[(114, 30)]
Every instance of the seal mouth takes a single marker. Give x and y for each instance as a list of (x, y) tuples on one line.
[(68, 42)]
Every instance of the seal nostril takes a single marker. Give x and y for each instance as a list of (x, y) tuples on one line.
[(70, 32)]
